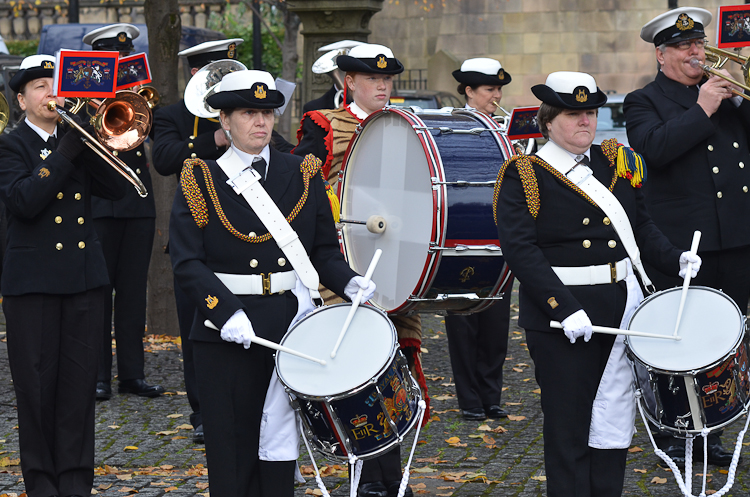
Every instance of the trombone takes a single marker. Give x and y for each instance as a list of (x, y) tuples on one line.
[(718, 57)]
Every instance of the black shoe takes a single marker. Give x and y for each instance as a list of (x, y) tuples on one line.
[(393, 487), (374, 489), (140, 387), (476, 414), (103, 390), (495, 412), (198, 434), (717, 455), (677, 453)]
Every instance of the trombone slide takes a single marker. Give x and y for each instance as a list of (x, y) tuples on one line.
[(711, 71)]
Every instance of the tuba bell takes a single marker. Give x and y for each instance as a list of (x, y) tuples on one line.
[(205, 82)]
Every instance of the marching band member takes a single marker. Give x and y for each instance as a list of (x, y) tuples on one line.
[(334, 97), (692, 131), (478, 342), (575, 260), (179, 135), (54, 283), (126, 231), (221, 253), (326, 134)]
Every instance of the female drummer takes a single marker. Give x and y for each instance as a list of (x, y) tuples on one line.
[(235, 273), (572, 260), (326, 134), (478, 342)]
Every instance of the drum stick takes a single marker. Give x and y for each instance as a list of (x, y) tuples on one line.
[(272, 345), (619, 331), (686, 281), (356, 301)]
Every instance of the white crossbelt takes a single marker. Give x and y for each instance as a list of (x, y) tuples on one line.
[(244, 180), (592, 275), (258, 284)]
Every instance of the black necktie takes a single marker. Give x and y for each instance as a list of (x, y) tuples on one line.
[(52, 142), (260, 165), (584, 160)]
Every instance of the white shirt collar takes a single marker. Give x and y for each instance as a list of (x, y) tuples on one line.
[(357, 111), (576, 157), (248, 159), (39, 131)]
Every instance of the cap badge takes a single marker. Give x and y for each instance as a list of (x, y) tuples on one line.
[(122, 37), (211, 301), (48, 64), (381, 63), (231, 52), (582, 95), (260, 91), (684, 22), (501, 74), (43, 172)]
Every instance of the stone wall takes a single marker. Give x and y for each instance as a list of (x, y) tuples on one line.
[(531, 38)]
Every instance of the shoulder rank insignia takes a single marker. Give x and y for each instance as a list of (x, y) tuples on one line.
[(44, 153), (211, 301), (43, 172)]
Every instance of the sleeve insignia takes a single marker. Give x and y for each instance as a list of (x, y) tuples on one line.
[(552, 302), (44, 153), (211, 301), (44, 172)]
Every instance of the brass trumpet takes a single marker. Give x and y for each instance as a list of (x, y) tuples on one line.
[(101, 150)]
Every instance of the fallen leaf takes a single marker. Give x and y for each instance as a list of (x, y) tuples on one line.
[(131, 447), (166, 467), (169, 489), (538, 390), (179, 438), (7, 461), (514, 403), (658, 480), (499, 429), (175, 415), (443, 397), (423, 350), (446, 488), (484, 428), (539, 478), (202, 485), (635, 449), (168, 432), (527, 379), (518, 370), (419, 486), (127, 476), (471, 458), (516, 418), (488, 439), (104, 487), (723, 471), (114, 427), (473, 435), (128, 490), (426, 469), (184, 427), (637, 470)]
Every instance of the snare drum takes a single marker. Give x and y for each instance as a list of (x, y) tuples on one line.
[(363, 401), (430, 176), (701, 380)]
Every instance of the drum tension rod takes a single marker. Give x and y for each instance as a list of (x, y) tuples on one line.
[(463, 183), (449, 131)]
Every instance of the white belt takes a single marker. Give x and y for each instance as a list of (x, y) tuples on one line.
[(592, 275), (258, 284)]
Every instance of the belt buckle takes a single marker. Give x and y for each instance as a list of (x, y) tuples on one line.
[(266, 278), (612, 272)]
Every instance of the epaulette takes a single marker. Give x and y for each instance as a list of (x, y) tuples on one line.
[(630, 165)]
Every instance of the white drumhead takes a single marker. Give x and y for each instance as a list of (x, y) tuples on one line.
[(710, 327), (367, 346), (387, 175)]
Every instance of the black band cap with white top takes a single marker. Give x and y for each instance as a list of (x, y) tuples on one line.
[(684, 23), (248, 89), (211, 51), (371, 59), (33, 67), (570, 90), (482, 71), (115, 37)]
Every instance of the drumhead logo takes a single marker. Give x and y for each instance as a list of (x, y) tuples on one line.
[(359, 420), (466, 273)]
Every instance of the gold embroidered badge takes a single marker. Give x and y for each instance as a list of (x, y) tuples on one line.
[(684, 22), (501, 74), (231, 52), (43, 172), (122, 37), (466, 273), (211, 301), (382, 63), (552, 302), (48, 65), (260, 91), (44, 153), (582, 95)]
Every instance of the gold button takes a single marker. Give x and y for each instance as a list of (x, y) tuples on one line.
[(719, 195), (77, 196), (744, 189), (81, 245), (606, 221), (58, 246), (60, 196), (586, 243), (138, 153), (114, 152), (742, 165), (585, 221), (710, 148), (192, 137), (715, 170), (612, 244), (190, 145), (254, 263), (252, 234), (736, 145), (193, 156), (58, 219), (138, 170), (80, 220), (282, 261)]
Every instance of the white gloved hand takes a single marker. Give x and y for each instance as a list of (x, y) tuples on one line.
[(351, 288), (687, 257), (577, 325), (238, 329)]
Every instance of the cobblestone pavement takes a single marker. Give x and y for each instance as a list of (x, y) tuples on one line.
[(144, 446)]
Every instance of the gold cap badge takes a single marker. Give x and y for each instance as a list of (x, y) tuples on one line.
[(48, 64), (381, 63), (552, 302), (231, 52), (211, 301), (260, 91), (582, 95), (684, 22), (501, 74), (122, 37)]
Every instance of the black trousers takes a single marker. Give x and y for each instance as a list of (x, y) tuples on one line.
[(478, 344), (185, 315), (385, 468), (569, 376), (127, 249), (54, 342), (233, 384)]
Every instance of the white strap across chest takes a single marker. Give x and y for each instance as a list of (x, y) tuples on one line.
[(583, 177), (244, 180)]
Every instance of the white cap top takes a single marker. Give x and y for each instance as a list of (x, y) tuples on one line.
[(681, 19), (567, 81), (210, 46), (339, 45), (111, 31), (37, 61), (484, 65), (370, 51), (244, 80)]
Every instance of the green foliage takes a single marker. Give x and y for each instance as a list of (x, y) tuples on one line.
[(239, 24), (22, 47)]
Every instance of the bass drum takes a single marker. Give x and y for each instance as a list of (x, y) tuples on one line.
[(423, 181)]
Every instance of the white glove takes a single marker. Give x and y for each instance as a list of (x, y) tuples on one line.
[(351, 288), (238, 329), (577, 325), (687, 257)]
